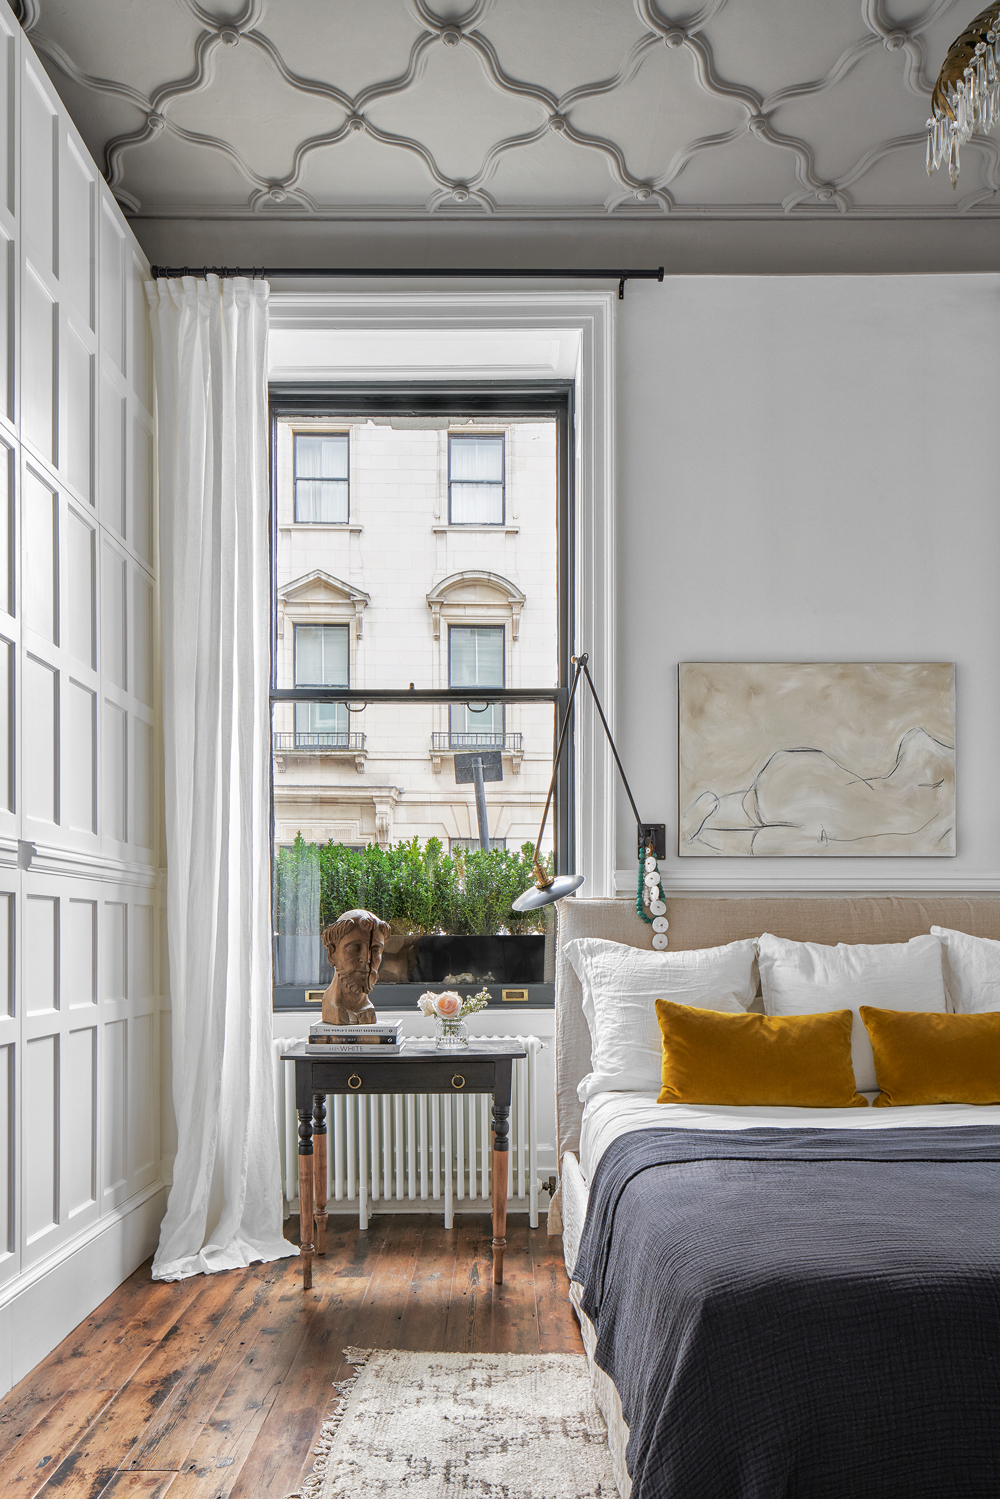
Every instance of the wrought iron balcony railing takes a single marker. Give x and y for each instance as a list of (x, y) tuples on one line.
[(319, 743), (442, 743)]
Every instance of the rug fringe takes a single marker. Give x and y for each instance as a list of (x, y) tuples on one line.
[(342, 1390)]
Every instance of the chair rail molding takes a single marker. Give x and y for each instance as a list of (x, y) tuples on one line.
[(771, 880), (470, 336)]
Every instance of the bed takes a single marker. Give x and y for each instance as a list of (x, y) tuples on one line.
[(765, 1315)]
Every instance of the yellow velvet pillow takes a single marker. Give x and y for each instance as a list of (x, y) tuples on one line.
[(790, 1060), (934, 1058)]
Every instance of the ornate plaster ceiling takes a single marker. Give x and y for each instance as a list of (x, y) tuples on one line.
[(512, 108)]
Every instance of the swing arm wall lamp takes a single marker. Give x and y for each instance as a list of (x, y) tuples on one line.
[(651, 836)]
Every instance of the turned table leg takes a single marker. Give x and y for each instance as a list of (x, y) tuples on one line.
[(501, 1151), (319, 1169), (306, 1196)]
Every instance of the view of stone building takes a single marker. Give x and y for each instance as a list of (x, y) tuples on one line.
[(413, 553)]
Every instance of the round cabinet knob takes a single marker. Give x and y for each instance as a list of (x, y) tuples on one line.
[(660, 924), (660, 940), (354, 1081), (658, 907), (652, 880), (458, 1081), (650, 865)]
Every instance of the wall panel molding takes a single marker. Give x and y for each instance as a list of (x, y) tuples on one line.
[(81, 1004)]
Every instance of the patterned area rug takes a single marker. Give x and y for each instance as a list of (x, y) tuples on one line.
[(486, 1426)]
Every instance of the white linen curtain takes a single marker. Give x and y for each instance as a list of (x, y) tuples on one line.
[(210, 349)]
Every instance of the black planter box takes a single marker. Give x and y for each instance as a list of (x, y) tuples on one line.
[(418, 962), (495, 960)]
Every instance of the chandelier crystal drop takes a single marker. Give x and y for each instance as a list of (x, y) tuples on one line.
[(966, 97)]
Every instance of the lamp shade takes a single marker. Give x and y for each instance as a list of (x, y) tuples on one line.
[(563, 884)]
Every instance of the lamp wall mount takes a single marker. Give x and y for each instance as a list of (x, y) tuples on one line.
[(653, 836)]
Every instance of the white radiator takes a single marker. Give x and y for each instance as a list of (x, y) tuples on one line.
[(401, 1148)]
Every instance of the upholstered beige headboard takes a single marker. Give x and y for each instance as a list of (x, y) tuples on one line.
[(699, 920)]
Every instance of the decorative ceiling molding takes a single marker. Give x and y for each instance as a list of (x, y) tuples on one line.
[(548, 112)]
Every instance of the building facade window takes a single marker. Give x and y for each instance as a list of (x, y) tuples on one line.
[(476, 659), (322, 486), (476, 479), (322, 659)]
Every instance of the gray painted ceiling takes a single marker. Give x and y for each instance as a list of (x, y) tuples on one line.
[(546, 109)]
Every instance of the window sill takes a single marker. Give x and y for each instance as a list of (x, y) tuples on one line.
[(483, 530), (322, 525)]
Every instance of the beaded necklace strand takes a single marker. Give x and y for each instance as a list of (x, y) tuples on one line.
[(650, 895)]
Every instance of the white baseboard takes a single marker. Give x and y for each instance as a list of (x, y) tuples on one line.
[(42, 1306)]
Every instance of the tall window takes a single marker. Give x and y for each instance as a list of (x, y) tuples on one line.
[(321, 482), (402, 647), (476, 474), (322, 660), (475, 659)]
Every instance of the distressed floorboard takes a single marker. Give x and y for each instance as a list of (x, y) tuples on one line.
[(216, 1387)]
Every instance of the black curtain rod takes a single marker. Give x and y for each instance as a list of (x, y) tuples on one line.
[(277, 273)]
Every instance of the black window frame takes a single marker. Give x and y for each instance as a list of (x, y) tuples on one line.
[(467, 625), (500, 437), (321, 624), (505, 402), (295, 478)]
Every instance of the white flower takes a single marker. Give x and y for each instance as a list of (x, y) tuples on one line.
[(426, 1004)]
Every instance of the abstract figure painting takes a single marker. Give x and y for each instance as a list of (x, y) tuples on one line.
[(818, 759)]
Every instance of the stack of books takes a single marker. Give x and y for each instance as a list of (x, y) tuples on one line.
[(380, 1039)]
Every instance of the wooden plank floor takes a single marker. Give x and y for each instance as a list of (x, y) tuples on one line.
[(216, 1386)]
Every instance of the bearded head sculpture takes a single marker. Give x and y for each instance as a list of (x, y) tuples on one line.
[(354, 944)]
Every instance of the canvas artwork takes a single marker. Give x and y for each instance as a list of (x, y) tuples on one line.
[(841, 759)]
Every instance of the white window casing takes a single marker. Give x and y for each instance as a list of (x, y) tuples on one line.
[(458, 335)]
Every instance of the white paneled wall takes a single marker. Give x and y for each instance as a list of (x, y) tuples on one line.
[(80, 989)]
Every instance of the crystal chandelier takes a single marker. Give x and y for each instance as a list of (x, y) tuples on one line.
[(966, 97)]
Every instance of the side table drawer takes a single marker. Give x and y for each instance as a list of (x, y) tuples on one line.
[(417, 1076)]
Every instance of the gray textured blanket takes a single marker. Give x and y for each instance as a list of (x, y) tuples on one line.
[(801, 1314)]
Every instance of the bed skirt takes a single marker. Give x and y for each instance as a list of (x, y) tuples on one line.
[(574, 1208)]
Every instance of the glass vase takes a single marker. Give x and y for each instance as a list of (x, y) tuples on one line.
[(451, 1035)]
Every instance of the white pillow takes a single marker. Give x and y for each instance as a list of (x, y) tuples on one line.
[(620, 986), (971, 971), (804, 978)]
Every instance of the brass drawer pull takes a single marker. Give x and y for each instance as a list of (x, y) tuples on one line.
[(458, 1081), (354, 1081)]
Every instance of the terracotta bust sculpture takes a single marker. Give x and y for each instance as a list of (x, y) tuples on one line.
[(354, 944)]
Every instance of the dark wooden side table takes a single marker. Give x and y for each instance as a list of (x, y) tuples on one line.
[(480, 1067)]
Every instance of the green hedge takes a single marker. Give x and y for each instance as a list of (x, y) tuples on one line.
[(414, 888)]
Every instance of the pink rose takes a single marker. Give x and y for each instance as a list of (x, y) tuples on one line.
[(448, 1005)]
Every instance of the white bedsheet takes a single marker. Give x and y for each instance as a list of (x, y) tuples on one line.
[(608, 1115)]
